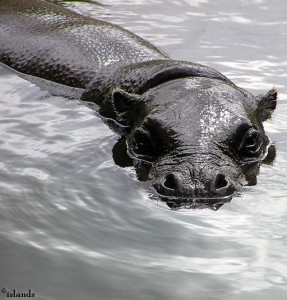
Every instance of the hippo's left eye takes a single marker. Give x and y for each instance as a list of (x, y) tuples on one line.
[(251, 143)]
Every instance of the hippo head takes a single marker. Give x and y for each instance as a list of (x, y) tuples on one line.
[(198, 140)]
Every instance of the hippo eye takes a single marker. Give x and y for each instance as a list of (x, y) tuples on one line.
[(251, 143), (142, 142)]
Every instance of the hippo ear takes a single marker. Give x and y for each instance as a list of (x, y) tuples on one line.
[(267, 104), (124, 102)]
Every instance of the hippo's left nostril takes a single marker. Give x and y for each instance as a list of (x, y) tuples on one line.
[(171, 181), (220, 182)]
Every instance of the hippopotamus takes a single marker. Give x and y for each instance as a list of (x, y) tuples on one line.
[(185, 127)]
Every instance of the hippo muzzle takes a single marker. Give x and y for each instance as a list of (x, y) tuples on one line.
[(199, 178)]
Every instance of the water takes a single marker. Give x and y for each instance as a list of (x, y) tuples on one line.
[(73, 225)]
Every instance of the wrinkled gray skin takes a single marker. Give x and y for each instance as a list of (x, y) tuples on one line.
[(188, 129)]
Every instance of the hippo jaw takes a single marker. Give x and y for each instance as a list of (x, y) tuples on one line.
[(197, 140)]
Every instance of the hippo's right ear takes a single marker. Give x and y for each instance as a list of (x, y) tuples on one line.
[(267, 104), (123, 101)]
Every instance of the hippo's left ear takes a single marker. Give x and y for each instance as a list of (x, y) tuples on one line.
[(267, 104)]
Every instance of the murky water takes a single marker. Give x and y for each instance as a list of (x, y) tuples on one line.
[(73, 225)]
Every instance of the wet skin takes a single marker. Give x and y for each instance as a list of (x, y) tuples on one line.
[(185, 127)]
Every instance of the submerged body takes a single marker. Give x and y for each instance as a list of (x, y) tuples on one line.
[(186, 127), (46, 40)]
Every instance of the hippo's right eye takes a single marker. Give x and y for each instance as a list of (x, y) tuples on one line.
[(142, 142), (141, 137), (150, 141)]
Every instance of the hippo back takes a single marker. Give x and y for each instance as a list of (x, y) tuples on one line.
[(45, 40)]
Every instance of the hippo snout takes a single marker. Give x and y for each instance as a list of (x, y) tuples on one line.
[(174, 184)]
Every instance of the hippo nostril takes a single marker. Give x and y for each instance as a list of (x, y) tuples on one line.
[(171, 181), (220, 182)]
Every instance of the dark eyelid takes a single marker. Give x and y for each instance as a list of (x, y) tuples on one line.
[(238, 135), (243, 129), (251, 144)]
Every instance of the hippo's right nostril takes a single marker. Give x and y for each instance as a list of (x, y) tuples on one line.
[(220, 182), (171, 181)]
